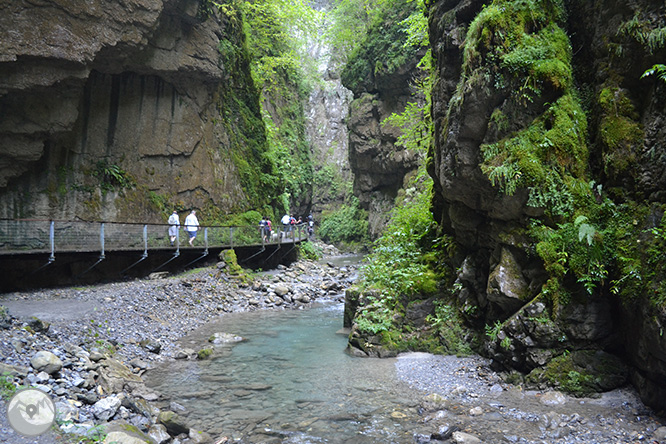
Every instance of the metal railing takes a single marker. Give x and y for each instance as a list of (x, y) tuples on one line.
[(53, 236)]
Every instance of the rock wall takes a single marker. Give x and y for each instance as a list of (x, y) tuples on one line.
[(111, 109), (328, 110), (500, 277), (378, 164)]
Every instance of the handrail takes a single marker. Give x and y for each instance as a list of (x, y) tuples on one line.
[(56, 236)]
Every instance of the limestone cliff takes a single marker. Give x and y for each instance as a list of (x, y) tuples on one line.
[(549, 174), (120, 110), (380, 89)]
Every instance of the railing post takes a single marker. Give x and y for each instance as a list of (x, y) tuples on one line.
[(206, 239), (145, 239), (231, 237), (52, 240), (101, 240)]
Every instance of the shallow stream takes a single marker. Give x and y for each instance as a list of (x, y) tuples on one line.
[(290, 381), (290, 378)]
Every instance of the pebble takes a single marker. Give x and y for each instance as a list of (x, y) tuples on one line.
[(137, 323)]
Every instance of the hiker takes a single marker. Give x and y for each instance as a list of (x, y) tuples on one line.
[(174, 224), (191, 226), (269, 228), (263, 229), (285, 225)]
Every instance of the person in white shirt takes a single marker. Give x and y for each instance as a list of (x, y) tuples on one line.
[(192, 226), (174, 224)]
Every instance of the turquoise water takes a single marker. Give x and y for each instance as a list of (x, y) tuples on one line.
[(290, 379)]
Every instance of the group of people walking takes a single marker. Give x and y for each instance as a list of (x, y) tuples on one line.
[(191, 227), (288, 225)]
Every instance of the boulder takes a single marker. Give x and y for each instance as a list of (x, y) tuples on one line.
[(464, 438), (158, 433), (47, 362), (114, 376), (224, 338), (106, 408), (174, 424), (507, 288), (199, 437), (151, 346), (38, 325), (281, 290), (122, 432)]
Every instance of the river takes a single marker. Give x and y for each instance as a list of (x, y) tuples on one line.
[(290, 377), (290, 381)]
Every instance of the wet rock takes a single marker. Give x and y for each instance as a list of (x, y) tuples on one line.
[(174, 424), (121, 432), (106, 408), (464, 438), (198, 437), (553, 398), (224, 338), (158, 433), (184, 353), (46, 361)]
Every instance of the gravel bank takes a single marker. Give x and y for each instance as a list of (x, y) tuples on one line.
[(106, 336)]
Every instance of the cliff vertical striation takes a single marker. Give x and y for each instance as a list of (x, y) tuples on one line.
[(121, 110)]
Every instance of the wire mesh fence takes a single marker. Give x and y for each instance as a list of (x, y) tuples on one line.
[(23, 235)]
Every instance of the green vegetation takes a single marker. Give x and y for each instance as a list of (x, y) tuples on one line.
[(400, 267), (658, 70), (205, 353), (620, 131), (385, 46), (277, 36), (112, 177), (403, 271), (310, 251), (7, 386), (347, 226)]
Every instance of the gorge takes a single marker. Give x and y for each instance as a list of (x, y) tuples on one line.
[(532, 201)]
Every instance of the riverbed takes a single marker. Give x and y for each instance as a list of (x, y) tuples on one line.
[(290, 381)]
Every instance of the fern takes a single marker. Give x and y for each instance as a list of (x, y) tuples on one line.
[(658, 70)]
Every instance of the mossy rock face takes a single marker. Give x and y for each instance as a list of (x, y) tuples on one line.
[(581, 373), (233, 269)]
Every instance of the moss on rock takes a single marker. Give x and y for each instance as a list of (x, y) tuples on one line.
[(581, 373)]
